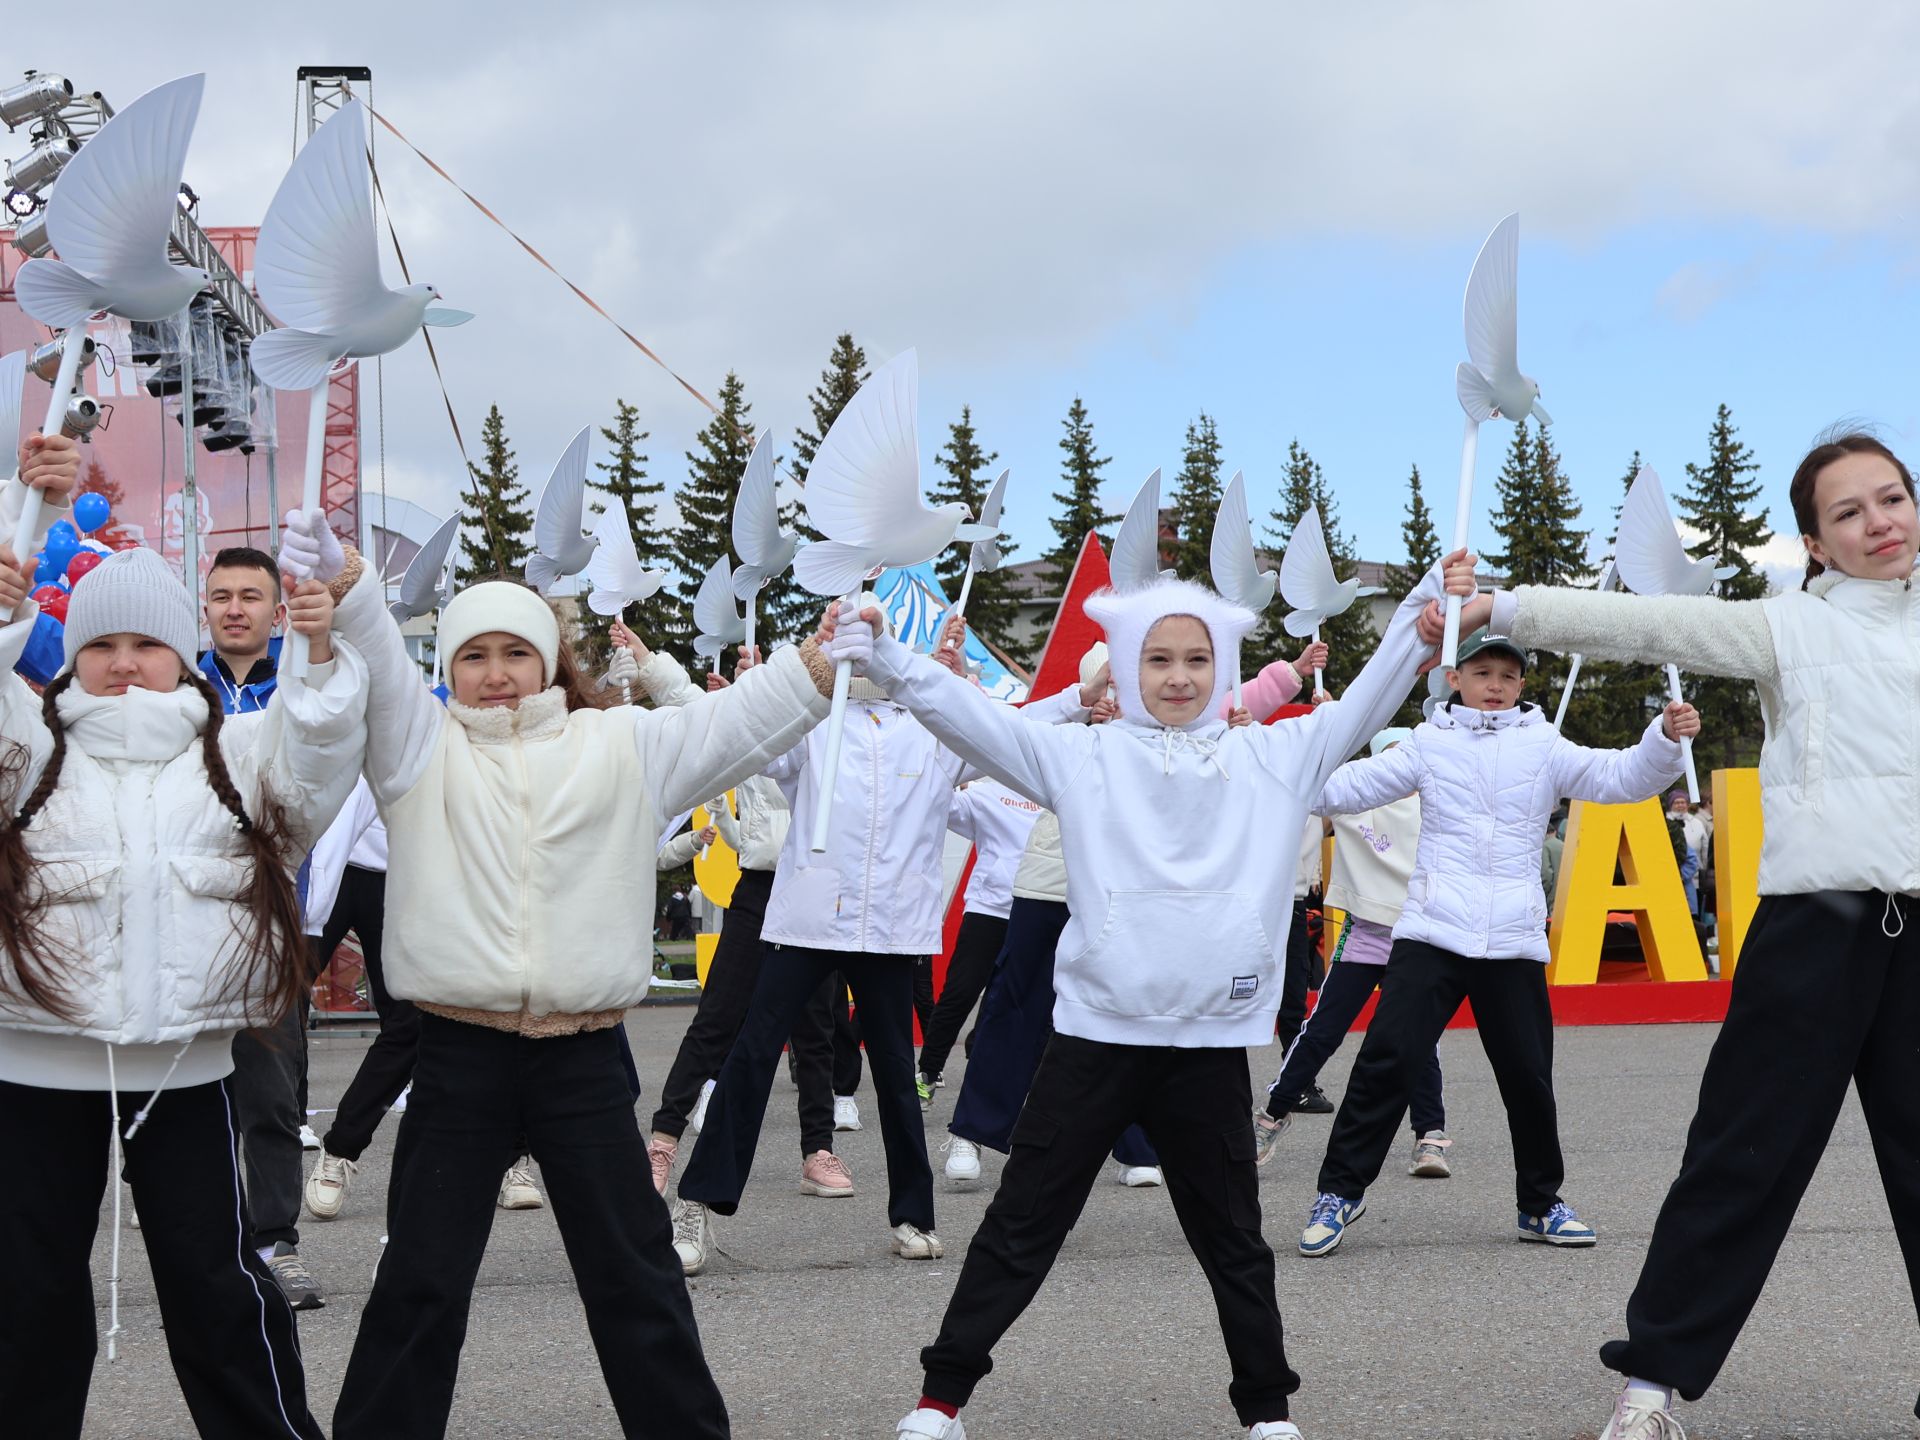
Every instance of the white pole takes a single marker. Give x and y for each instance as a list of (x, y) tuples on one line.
[(1573, 674), (1462, 524), (189, 490), (73, 344), (295, 649), (1319, 685), (836, 734), (1686, 744), (753, 604)]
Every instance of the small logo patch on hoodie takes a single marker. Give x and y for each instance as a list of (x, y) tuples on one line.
[(1244, 986)]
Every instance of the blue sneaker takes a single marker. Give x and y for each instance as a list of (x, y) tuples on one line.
[(1559, 1226), (1329, 1221)]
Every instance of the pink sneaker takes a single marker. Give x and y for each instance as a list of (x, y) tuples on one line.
[(660, 1155), (825, 1174)]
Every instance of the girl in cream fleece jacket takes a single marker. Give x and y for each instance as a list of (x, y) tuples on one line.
[(1174, 826), (522, 826)]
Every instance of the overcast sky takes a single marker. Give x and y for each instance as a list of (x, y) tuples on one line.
[(1267, 211)]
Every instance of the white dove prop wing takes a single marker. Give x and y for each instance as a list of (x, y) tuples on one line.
[(863, 487), (1492, 303), (110, 213), (420, 587), (1236, 568), (1307, 578), (13, 375), (765, 550), (1649, 556), (317, 263), (1135, 561), (615, 572), (559, 547), (714, 615), (985, 554)]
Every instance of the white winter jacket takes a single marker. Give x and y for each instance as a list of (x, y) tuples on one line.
[(1373, 859), (1488, 780), (1042, 872), (760, 828), (879, 887), (145, 866), (998, 822), (1181, 844), (522, 843), (1838, 670)]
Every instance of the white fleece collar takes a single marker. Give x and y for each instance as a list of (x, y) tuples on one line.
[(141, 725), (537, 717)]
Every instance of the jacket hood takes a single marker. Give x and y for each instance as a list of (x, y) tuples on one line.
[(1454, 716), (1128, 618)]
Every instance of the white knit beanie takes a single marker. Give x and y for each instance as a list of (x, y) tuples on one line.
[(133, 592), (504, 606)]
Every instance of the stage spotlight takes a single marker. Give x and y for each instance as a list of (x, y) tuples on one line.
[(21, 203), (83, 417), (30, 237), (40, 164), (189, 201), (44, 362), (35, 96)]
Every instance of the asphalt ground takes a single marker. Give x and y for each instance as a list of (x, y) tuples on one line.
[(1430, 1321)]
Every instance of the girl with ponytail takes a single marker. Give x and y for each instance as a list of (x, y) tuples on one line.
[(147, 913)]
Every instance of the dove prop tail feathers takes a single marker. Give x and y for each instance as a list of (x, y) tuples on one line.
[(720, 625), (294, 359), (56, 294)]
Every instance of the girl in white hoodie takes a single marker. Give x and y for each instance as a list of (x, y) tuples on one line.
[(147, 915), (1174, 827), (522, 826), (1828, 988)]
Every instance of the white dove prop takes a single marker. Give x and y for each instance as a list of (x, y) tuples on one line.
[(983, 556), (1310, 585), (863, 494), (1489, 383), (316, 266), (1135, 561), (765, 550), (1650, 560), (1235, 564), (559, 547), (428, 582), (720, 625), (615, 572), (13, 376), (1603, 584), (110, 214)]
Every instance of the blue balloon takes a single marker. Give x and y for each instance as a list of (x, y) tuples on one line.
[(90, 512), (62, 536), (48, 572)]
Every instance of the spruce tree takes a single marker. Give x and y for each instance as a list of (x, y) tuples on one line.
[(1540, 546), (788, 611), (1721, 505), (1196, 500), (964, 473), (1079, 502), (653, 619), (498, 525), (1419, 538), (705, 503), (1350, 637)]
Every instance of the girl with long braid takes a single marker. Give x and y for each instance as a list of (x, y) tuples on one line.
[(147, 914)]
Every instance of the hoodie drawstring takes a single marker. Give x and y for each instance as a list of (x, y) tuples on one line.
[(1172, 740), (1899, 916), (140, 1115), (113, 1179)]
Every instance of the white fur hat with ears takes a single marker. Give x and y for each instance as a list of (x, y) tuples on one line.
[(1127, 618), (1091, 662)]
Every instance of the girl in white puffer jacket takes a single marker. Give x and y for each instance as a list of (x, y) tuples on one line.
[(148, 914), (1827, 991)]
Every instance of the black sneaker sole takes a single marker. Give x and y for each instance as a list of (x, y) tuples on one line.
[(1313, 1103)]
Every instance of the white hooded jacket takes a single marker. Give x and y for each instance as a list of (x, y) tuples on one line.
[(999, 823), (1488, 780), (1181, 843)]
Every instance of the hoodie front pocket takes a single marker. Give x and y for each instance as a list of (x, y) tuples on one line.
[(1182, 954)]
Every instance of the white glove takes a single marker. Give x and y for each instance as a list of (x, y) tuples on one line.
[(309, 550), (625, 670), (852, 639)]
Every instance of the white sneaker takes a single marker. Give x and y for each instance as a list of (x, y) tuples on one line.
[(699, 1115), (692, 1236), (846, 1113), (308, 1140), (1430, 1156), (931, 1425), (1274, 1430), (1641, 1422), (910, 1242), (400, 1100), (963, 1159), (327, 1186), (1139, 1176), (517, 1191)]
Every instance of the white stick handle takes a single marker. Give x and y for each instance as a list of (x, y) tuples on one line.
[(836, 734), (626, 692), (73, 345), (1686, 743), (753, 604), (1573, 674), (966, 586), (295, 649), (1319, 685), (1462, 524)]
